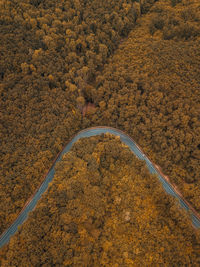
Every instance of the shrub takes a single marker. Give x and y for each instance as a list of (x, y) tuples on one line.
[(175, 2), (189, 14), (186, 31), (157, 23), (168, 33)]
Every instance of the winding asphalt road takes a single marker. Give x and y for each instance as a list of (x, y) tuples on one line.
[(154, 169)]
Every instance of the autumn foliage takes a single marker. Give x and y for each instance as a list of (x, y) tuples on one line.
[(68, 65), (103, 208), (50, 52)]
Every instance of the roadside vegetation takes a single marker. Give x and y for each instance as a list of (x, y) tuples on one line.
[(67, 65), (151, 89), (103, 208), (50, 52)]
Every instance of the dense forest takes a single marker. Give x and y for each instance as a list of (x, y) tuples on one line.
[(151, 89), (135, 62), (103, 208), (50, 51)]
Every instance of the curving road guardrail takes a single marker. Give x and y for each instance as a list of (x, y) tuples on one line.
[(154, 169)]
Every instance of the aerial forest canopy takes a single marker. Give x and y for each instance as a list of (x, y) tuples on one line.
[(50, 52), (137, 64), (103, 208)]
